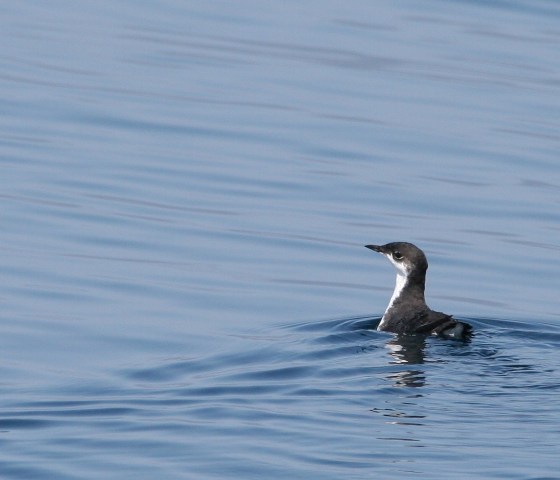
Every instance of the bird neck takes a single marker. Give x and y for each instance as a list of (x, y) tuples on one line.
[(412, 285)]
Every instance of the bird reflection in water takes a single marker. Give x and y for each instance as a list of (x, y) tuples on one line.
[(407, 349), (405, 410)]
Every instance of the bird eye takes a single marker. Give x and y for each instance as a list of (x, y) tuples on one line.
[(397, 255)]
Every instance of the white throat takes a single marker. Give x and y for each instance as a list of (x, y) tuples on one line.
[(399, 285)]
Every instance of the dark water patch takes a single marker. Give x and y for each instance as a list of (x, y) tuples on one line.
[(335, 352), (275, 375), (22, 470), (8, 424), (366, 323)]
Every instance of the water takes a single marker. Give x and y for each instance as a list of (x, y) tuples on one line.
[(186, 191)]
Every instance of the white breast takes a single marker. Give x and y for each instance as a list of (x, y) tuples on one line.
[(399, 285)]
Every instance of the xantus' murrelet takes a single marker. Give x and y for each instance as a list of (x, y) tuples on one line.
[(407, 311)]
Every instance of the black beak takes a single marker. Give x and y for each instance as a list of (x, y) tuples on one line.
[(376, 248)]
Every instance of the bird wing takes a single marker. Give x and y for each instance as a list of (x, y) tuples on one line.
[(438, 323), (432, 322)]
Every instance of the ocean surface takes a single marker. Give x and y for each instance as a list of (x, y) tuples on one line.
[(186, 189)]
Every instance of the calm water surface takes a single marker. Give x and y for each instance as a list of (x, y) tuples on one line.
[(186, 190)]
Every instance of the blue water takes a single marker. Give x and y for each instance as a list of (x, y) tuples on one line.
[(186, 189)]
